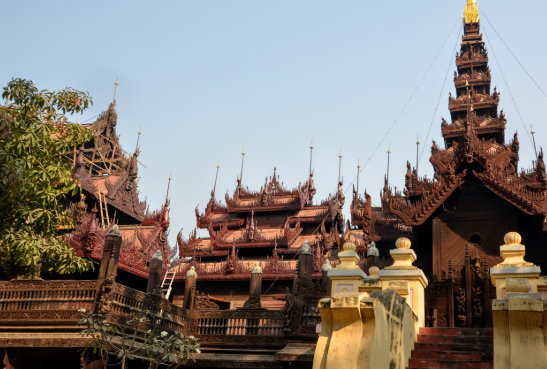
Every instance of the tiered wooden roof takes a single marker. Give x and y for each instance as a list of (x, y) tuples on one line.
[(474, 147), (109, 177), (272, 224)]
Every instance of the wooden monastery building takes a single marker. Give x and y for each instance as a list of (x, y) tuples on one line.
[(249, 290)]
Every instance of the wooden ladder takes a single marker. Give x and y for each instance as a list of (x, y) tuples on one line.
[(103, 210), (167, 284)]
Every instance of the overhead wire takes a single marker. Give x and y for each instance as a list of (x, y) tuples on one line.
[(408, 101), (514, 56), (382, 140), (440, 95), (507, 85)]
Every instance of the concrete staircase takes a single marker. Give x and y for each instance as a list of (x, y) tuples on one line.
[(458, 348)]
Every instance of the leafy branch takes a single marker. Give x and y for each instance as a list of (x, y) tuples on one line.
[(135, 337)]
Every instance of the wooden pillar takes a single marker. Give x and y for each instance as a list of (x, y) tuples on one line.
[(189, 284), (305, 262), (450, 293), (255, 289), (468, 288), (154, 278), (487, 303), (373, 255), (111, 254)]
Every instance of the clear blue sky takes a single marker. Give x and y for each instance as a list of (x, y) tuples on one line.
[(203, 78)]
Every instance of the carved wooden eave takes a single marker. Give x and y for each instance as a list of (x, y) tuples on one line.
[(336, 204), (416, 213), (484, 126), (331, 238), (306, 192), (273, 196), (186, 245), (512, 189), (235, 268), (291, 234), (139, 243)]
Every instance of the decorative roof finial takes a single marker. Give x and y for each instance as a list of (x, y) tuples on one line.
[(471, 12), (339, 165), (242, 161), (358, 172), (168, 183), (534, 140), (388, 154), (115, 88), (216, 177), (417, 150), (311, 154), (138, 139)]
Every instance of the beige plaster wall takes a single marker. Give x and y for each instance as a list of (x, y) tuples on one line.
[(362, 331)]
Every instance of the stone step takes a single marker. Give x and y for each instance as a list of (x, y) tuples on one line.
[(449, 364), (458, 347), (451, 355), (470, 340), (458, 331)]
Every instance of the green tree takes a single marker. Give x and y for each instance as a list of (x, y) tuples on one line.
[(35, 178), (136, 336)]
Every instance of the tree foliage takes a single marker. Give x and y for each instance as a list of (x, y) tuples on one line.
[(137, 336), (35, 178)]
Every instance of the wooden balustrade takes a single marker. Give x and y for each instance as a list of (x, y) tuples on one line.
[(57, 303), (125, 299), (262, 328), (45, 301)]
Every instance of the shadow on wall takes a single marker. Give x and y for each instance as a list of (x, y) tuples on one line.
[(365, 331)]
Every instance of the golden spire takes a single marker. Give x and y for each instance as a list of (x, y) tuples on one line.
[(471, 12)]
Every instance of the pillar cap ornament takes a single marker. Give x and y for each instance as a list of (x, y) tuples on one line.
[(373, 250), (192, 272), (306, 248), (349, 246), (512, 238), (373, 271), (326, 266), (115, 230), (157, 255), (403, 243), (256, 269)]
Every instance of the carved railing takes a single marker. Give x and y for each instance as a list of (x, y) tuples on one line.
[(34, 301), (262, 328), (125, 299), (57, 303)]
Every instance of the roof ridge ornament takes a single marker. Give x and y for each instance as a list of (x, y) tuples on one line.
[(471, 12)]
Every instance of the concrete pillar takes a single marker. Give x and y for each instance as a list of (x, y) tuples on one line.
[(372, 282), (189, 284), (513, 265), (154, 278), (406, 279), (325, 280), (111, 254), (347, 276), (519, 337)]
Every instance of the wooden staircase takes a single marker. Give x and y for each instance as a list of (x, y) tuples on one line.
[(457, 348)]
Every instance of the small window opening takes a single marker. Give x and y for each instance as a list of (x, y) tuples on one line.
[(475, 238)]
